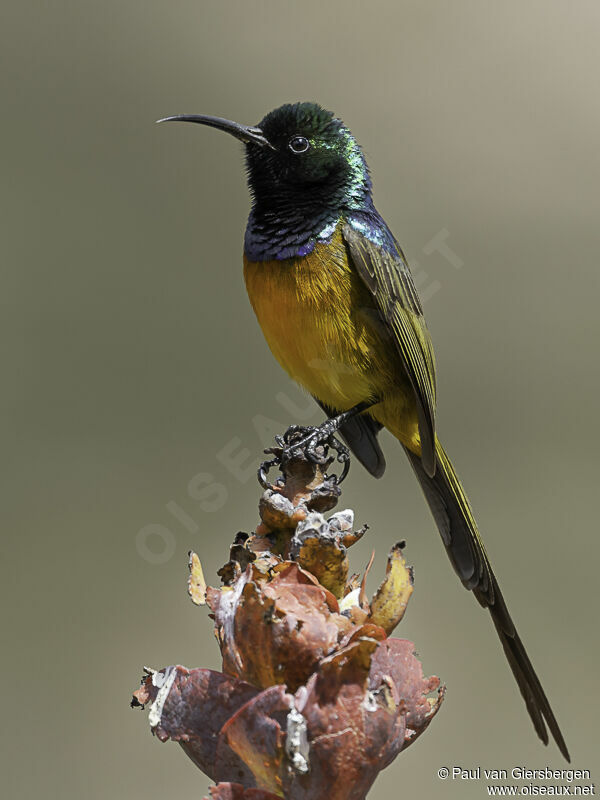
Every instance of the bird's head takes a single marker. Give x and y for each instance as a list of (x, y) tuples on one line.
[(299, 155)]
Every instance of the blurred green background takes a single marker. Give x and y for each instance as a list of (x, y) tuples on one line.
[(132, 358)]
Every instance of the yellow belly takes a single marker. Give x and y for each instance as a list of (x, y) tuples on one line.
[(321, 324)]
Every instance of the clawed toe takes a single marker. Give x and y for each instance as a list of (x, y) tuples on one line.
[(310, 443)]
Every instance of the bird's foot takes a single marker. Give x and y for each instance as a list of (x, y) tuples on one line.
[(312, 444)]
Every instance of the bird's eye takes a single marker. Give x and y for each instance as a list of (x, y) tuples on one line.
[(299, 144)]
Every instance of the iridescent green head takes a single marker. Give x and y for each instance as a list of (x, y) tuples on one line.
[(305, 172), (300, 154), (310, 150)]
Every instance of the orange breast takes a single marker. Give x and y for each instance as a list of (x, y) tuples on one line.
[(321, 325), (314, 314)]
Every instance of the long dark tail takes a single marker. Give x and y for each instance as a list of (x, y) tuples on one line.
[(452, 513)]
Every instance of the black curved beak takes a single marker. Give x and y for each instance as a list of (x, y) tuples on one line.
[(245, 133)]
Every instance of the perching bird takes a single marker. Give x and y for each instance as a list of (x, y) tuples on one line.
[(337, 304)]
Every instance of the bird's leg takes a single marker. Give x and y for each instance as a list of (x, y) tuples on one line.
[(333, 424), (322, 433), (312, 444)]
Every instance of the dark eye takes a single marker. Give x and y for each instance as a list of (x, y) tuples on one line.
[(299, 144)]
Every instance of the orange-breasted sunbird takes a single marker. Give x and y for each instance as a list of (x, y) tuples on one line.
[(337, 304)]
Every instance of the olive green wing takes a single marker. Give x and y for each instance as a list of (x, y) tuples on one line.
[(388, 278)]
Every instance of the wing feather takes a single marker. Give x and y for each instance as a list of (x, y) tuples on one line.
[(388, 278)]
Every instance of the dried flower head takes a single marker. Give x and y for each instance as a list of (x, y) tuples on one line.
[(314, 699)]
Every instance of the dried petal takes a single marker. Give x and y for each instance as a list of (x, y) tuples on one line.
[(348, 725), (196, 582), (292, 572), (256, 734), (342, 521), (362, 597), (277, 511), (317, 548), (191, 707), (276, 632), (235, 791), (395, 660), (390, 601)]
